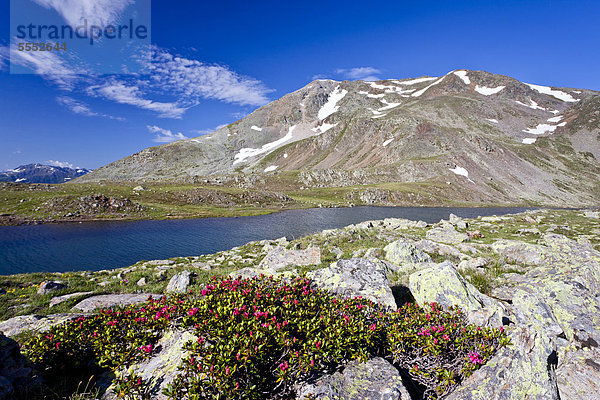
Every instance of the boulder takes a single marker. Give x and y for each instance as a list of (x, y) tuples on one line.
[(280, 257), (160, 262), (443, 284), (179, 282), (472, 263), (61, 299), (458, 222), (521, 252), (445, 233), (159, 370), (523, 370), (22, 323), (50, 286), (15, 375), (112, 300), (376, 379), (438, 248), (356, 277), (404, 252), (578, 374), (141, 282)]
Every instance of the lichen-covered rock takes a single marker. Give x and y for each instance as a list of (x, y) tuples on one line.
[(521, 252), (279, 258), (472, 263), (61, 299), (179, 282), (22, 323), (524, 370), (159, 371), (458, 222), (578, 374), (438, 248), (441, 283), (356, 277), (376, 379), (50, 286), (445, 233), (112, 300), (404, 252)]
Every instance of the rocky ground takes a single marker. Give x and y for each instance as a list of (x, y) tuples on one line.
[(536, 274)]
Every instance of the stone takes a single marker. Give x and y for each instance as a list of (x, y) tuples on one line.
[(438, 248), (280, 257), (15, 375), (375, 379), (404, 252), (160, 262), (578, 374), (356, 277), (520, 252), (50, 286), (61, 299), (445, 233), (179, 282), (141, 282), (458, 222), (139, 188), (523, 370), (159, 370), (112, 300), (472, 263), (443, 284), (22, 323)]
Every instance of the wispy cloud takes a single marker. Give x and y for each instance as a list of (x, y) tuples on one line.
[(359, 73), (209, 130), (79, 107), (4, 58), (95, 12), (164, 135), (63, 164)]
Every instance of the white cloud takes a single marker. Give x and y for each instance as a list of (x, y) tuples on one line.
[(63, 164), (132, 95), (96, 12), (4, 58), (359, 73), (79, 107), (164, 135)]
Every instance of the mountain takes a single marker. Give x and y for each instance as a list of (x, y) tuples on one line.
[(467, 136), (38, 173)]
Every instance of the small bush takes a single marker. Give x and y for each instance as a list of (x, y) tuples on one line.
[(258, 337)]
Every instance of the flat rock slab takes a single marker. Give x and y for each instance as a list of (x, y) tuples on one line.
[(404, 252), (446, 234), (111, 300), (61, 299), (279, 258), (356, 277), (16, 325), (376, 379), (179, 282)]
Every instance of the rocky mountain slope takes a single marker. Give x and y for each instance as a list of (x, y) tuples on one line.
[(468, 136), (39, 173)]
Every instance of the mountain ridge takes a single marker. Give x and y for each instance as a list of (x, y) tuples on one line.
[(487, 135), (41, 173)]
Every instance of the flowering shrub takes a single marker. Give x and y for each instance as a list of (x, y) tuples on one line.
[(438, 348), (257, 337)]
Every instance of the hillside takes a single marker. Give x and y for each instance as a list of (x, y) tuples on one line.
[(39, 173), (468, 136)]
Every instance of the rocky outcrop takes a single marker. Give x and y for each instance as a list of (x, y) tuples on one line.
[(443, 284), (445, 233), (179, 282), (403, 252), (50, 286), (22, 323), (112, 300), (14, 372), (279, 258), (356, 277), (61, 299), (376, 379)]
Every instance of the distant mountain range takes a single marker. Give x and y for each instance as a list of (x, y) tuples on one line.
[(467, 136), (39, 173)]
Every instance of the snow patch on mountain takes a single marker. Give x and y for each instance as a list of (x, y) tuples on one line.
[(388, 105), (387, 142), (461, 171), (487, 91), (415, 81), (323, 128), (529, 141), (331, 106), (555, 119), (420, 92), (463, 75), (533, 105), (256, 128), (559, 94), (492, 120), (248, 152), (271, 168)]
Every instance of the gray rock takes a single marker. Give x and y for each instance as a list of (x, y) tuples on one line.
[(438, 248), (14, 372), (179, 282), (279, 258), (376, 379), (578, 374), (61, 299), (520, 252), (160, 262), (524, 370), (356, 277), (141, 282), (50, 286), (472, 263), (444, 285), (458, 222), (445, 233), (404, 252), (112, 300), (160, 370), (22, 323)]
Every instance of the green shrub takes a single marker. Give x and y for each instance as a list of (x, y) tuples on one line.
[(258, 337)]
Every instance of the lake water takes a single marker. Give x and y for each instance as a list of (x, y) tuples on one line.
[(99, 245)]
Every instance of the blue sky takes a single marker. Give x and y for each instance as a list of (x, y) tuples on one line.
[(214, 63)]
